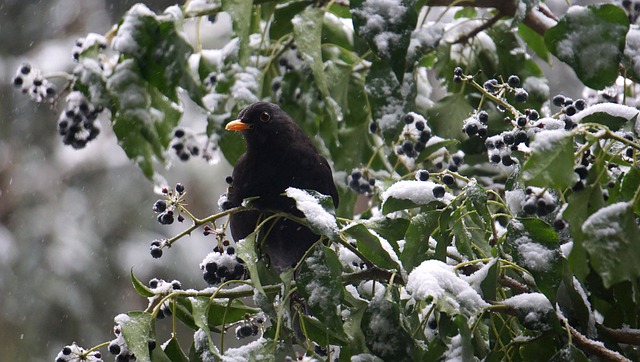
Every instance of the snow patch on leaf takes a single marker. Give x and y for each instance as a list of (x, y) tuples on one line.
[(437, 280), (319, 218)]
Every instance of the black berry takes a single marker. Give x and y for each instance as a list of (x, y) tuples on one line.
[(513, 81), (159, 206), (521, 95), (423, 175), (457, 71), (483, 116), (438, 191), (408, 119), (448, 180), (582, 172), (156, 252), (558, 100)]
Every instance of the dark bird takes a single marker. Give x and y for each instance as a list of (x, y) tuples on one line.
[(279, 155)]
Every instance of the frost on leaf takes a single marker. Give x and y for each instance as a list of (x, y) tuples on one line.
[(436, 280)]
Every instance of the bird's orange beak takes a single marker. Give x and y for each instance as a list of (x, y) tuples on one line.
[(237, 125)]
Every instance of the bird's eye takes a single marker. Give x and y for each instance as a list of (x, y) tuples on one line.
[(265, 117)]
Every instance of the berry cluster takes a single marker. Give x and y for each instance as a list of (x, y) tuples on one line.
[(496, 88), (162, 288), (185, 144), (569, 107), (249, 327), (499, 147), (223, 201), (222, 265), (78, 122), (167, 208), (538, 202), (360, 183), (583, 172), (31, 82), (75, 353), (414, 137), (92, 42), (476, 125)]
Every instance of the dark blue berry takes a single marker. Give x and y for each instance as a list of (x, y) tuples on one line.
[(448, 180), (513, 81), (438, 191), (521, 95), (558, 100), (423, 175)]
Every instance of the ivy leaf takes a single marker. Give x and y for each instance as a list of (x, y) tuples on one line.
[(241, 16), (281, 23), (384, 333), (536, 247), (307, 32), (387, 28), (591, 40), (142, 289), (371, 247), (445, 116), (612, 115), (319, 282), (534, 41), (157, 46), (551, 161), (613, 242), (417, 239), (137, 329), (174, 351)]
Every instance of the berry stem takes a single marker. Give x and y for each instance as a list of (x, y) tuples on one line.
[(95, 348), (493, 98)]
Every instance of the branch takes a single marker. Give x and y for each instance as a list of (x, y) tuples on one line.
[(625, 336), (594, 347), (539, 19), (372, 274), (484, 26)]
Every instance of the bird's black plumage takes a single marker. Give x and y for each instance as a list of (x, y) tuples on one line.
[(279, 155)]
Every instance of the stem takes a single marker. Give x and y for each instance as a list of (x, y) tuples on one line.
[(493, 98)]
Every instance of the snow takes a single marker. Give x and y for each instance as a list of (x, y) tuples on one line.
[(380, 15), (454, 351), (613, 109), (534, 256), (632, 48), (419, 192), (201, 6), (534, 306), (476, 279), (319, 218), (451, 293), (602, 223), (547, 140), (247, 352), (124, 41), (515, 200), (246, 85)]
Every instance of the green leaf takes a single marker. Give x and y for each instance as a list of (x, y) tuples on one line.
[(307, 33), (370, 246), (241, 15), (389, 228), (281, 23), (174, 352), (387, 30), (630, 185), (464, 350), (591, 40), (612, 115), (613, 243), (417, 239), (322, 334), (446, 116), (468, 12), (384, 333), (142, 289), (157, 46), (569, 353), (536, 247), (534, 41), (433, 147), (551, 161), (222, 310), (137, 329)]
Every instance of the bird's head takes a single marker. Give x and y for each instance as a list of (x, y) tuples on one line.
[(264, 124)]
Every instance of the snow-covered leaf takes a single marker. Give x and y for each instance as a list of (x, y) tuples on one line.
[(407, 194), (137, 329), (551, 161), (437, 281), (611, 115), (613, 243), (383, 331), (319, 282), (536, 247), (591, 40), (533, 310), (317, 209), (386, 25), (241, 16)]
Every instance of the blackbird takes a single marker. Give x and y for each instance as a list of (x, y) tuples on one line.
[(279, 155)]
